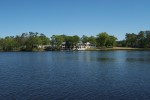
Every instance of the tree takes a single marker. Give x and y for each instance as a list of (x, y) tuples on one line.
[(111, 42), (84, 39), (69, 42), (147, 38), (18, 40), (102, 39), (141, 37), (75, 39), (23, 40), (9, 43), (121, 43), (33, 41), (1, 43), (45, 40), (140, 40), (131, 39), (29, 41), (92, 40), (57, 40)]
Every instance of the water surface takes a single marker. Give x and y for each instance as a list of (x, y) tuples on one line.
[(83, 75)]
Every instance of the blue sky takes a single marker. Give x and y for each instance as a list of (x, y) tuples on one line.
[(74, 17)]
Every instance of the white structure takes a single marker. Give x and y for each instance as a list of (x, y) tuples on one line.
[(43, 46), (80, 46), (84, 46), (63, 45)]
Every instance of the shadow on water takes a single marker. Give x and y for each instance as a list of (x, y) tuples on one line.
[(104, 59), (115, 56), (138, 59)]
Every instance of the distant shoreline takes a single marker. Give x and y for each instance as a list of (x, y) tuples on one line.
[(90, 49), (117, 48)]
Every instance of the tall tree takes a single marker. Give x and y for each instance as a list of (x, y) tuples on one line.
[(131, 39), (111, 42), (9, 43), (92, 40), (1, 44), (45, 40), (102, 39), (76, 39), (85, 39), (148, 38), (141, 39), (57, 40)]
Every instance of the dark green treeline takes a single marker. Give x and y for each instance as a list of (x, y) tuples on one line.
[(33, 41), (140, 40)]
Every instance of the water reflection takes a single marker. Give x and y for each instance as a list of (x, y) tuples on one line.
[(138, 59), (103, 59)]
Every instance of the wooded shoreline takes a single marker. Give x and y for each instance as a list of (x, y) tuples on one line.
[(90, 49), (34, 41)]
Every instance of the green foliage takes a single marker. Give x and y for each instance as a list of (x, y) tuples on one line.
[(131, 39), (27, 41), (121, 43), (102, 39), (148, 38), (105, 40), (44, 40), (9, 43), (140, 40), (70, 41), (1, 44), (34, 41), (111, 42), (92, 40), (57, 40), (84, 39), (75, 39)]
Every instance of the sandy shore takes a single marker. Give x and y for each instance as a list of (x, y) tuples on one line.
[(119, 48)]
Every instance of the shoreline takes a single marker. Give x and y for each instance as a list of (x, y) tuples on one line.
[(117, 48), (90, 49)]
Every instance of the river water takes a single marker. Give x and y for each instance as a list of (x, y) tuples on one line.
[(78, 75)]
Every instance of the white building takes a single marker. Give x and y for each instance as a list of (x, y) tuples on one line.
[(84, 46)]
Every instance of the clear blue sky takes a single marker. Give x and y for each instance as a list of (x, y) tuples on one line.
[(74, 17)]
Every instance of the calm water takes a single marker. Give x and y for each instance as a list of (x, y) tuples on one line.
[(83, 75)]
